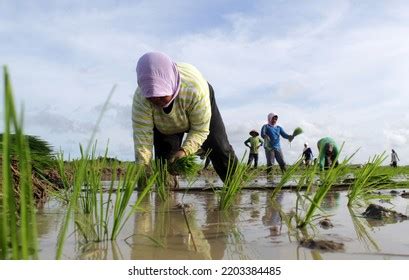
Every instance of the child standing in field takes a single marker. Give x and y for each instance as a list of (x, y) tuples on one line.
[(254, 142), (271, 133)]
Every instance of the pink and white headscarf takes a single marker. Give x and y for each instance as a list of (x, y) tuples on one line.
[(270, 117), (157, 76)]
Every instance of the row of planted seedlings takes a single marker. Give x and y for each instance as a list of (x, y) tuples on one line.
[(99, 217), (98, 214), (313, 186), (239, 174)]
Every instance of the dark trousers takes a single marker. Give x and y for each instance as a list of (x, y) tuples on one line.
[(221, 152), (275, 154), (251, 158)]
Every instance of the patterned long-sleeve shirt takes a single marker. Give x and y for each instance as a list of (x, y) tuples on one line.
[(191, 112)]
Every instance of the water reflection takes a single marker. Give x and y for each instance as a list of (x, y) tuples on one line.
[(222, 232), (99, 251), (167, 231), (330, 201), (362, 227), (255, 228), (215, 228), (272, 218)]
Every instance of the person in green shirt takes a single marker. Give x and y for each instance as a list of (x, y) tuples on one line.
[(328, 152), (254, 142)]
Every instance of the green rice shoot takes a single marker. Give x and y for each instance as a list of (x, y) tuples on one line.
[(185, 166), (328, 179), (364, 185), (18, 226), (297, 131)]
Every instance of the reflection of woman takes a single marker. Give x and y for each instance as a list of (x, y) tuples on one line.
[(213, 230), (168, 227), (331, 201), (272, 216)]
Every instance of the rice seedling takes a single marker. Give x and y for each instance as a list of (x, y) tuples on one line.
[(328, 179), (99, 217), (78, 183), (160, 167), (238, 175), (297, 131), (91, 187), (308, 178), (288, 174), (123, 195), (78, 180), (18, 227), (364, 186)]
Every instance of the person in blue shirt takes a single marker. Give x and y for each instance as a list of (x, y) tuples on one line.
[(271, 133)]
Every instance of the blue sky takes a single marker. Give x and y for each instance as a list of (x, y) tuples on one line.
[(334, 68)]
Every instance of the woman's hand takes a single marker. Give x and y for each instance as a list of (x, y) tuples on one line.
[(179, 154)]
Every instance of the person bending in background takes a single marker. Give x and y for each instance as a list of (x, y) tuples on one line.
[(271, 133), (173, 99), (328, 153), (254, 142)]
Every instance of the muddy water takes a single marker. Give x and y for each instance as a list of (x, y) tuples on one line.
[(253, 229)]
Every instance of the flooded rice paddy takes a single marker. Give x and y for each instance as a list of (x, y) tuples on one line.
[(189, 226)]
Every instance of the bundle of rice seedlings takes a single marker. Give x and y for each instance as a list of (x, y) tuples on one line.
[(41, 152), (186, 166), (297, 131)]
